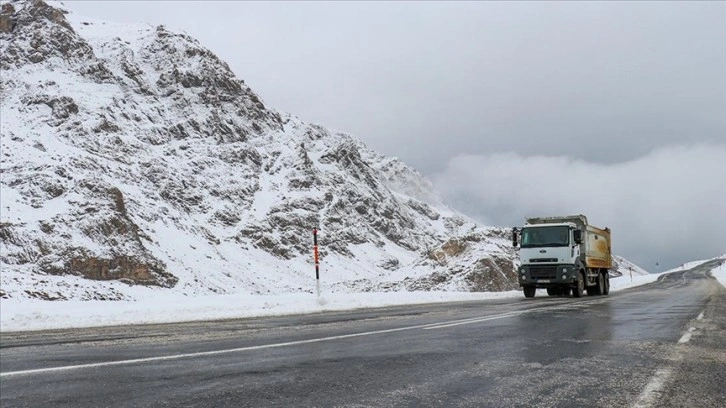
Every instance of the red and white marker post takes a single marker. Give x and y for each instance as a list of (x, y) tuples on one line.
[(317, 264)]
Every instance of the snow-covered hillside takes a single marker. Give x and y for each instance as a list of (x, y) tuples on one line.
[(135, 162), (622, 266)]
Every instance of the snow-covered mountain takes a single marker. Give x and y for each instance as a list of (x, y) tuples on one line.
[(134, 161), (622, 266)]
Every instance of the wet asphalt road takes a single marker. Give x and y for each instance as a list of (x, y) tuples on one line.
[(659, 345)]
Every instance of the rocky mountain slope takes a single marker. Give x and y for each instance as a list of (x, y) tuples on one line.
[(135, 161)]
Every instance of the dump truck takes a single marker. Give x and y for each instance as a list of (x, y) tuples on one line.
[(564, 255)]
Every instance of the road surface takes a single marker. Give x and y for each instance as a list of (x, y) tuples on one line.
[(659, 345)]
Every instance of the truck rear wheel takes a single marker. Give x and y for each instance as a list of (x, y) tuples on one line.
[(606, 286), (529, 291), (598, 289), (579, 290)]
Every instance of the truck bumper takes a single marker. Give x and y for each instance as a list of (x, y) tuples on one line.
[(546, 276)]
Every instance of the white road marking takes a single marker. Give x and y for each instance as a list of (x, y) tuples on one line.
[(649, 394), (264, 346), (687, 336), (660, 378), (477, 320)]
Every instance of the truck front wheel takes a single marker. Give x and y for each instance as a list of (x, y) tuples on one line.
[(579, 290), (529, 291)]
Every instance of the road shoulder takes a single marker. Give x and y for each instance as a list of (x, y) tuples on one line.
[(699, 372)]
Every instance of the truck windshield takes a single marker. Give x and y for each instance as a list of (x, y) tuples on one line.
[(545, 236)]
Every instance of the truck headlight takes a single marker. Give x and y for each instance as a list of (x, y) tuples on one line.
[(564, 270)]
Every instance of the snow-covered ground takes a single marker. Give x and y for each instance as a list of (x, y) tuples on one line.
[(21, 315), (40, 315), (720, 274)]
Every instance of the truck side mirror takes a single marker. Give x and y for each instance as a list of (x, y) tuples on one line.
[(515, 241), (577, 234)]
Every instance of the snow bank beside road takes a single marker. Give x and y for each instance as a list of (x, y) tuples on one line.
[(625, 281), (720, 274), (41, 315)]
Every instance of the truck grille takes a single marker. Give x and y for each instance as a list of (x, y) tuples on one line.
[(543, 272)]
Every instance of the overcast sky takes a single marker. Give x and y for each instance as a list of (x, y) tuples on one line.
[(616, 110)]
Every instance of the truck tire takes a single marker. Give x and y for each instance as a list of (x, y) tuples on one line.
[(529, 291), (579, 290), (553, 291), (598, 289), (606, 290)]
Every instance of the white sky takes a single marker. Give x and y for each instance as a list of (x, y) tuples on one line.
[(616, 110)]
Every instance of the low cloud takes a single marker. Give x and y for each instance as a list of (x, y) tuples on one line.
[(667, 207)]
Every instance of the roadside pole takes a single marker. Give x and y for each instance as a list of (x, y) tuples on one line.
[(317, 265), (631, 273)]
